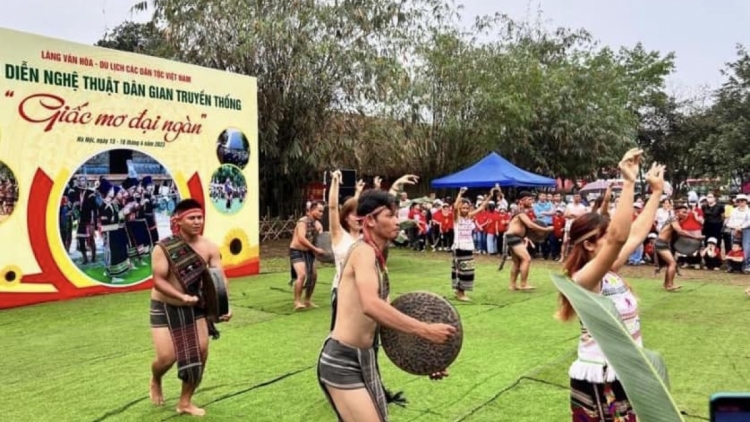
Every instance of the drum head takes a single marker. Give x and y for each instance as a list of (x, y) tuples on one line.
[(416, 355), (687, 246), (537, 236), (323, 241)]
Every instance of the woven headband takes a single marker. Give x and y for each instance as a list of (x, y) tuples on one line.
[(587, 236), (374, 212), (173, 222)]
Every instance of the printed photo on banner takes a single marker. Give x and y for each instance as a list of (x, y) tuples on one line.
[(228, 189), (232, 147), (114, 209), (8, 192)]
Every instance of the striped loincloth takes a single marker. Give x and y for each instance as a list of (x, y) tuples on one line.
[(183, 327), (462, 270), (348, 368), (308, 257)]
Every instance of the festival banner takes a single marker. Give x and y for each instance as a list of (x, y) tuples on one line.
[(96, 148)]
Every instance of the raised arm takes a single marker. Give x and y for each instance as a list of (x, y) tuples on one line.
[(590, 276), (642, 225), (457, 202), (407, 179), (359, 188), (334, 223), (604, 207), (484, 203)]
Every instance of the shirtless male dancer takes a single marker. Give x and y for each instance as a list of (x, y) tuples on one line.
[(302, 253), (178, 316), (347, 367), (663, 244), (516, 246)]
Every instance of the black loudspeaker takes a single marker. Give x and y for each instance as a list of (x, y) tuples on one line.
[(348, 184)]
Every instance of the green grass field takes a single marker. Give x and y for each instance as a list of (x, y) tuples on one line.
[(89, 359), (133, 276)]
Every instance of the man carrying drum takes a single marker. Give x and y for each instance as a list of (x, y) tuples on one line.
[(662, 250)]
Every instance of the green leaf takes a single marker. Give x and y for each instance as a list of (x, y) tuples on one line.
[(641, 372)]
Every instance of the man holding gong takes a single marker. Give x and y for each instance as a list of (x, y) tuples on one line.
[(347, 367)]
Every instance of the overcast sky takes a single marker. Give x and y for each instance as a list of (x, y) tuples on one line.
[(702, 33)]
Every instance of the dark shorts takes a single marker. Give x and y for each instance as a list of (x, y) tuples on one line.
[(513, 240), (159, 313), (661, 245)]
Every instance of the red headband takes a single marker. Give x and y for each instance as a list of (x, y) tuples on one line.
[(178, 217)]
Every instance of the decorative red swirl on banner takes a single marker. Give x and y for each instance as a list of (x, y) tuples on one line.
[(50, 272)]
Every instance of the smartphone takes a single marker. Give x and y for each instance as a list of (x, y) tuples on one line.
[(730, 407)]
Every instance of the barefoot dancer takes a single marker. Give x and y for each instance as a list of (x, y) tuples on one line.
[(348, 369), (664, 241), (516, 246), (302, 253), (462, 268), (598, 248), (178, 316)]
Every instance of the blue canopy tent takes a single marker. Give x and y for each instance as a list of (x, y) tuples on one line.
[(490, 170)]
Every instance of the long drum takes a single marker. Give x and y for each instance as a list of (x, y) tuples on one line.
[(215, 295), (323, 241), (414, 354), (537, 236), (687, 246)]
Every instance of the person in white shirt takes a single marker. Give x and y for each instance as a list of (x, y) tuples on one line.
[(739, 223), (664, 214), (572, 211)]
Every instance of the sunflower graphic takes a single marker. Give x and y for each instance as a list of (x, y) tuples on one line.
[(10, 276), (236, 248)]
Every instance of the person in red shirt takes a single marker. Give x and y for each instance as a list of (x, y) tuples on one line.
[(481, 220), (445, 217), (693, 224), (648, 248), (420, 218), (558, 232), (503, 219), (711, 255), (491, 228), (735, 258)]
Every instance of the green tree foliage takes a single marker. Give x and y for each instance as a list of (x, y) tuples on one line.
[(144, 38), (728, 149), (394, 86)]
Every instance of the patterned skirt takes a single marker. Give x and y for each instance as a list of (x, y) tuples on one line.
[(462, 270), (607, 402)]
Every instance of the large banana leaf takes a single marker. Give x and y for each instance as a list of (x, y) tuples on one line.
[(641, 372)]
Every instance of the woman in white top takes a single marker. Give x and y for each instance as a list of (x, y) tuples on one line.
[(601, 247), (462, 267), (344, 225), (663, 214), (344, 228)]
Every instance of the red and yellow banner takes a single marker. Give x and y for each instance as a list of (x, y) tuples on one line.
[(96, 148)]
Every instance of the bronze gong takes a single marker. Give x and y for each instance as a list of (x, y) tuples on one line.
[(416, 355)]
